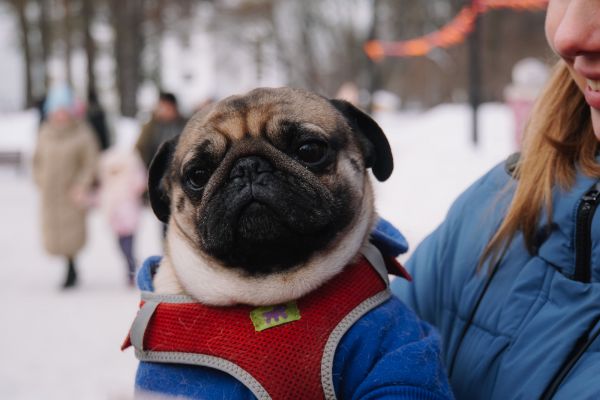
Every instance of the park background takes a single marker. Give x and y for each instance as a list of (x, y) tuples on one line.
[(65, 345)]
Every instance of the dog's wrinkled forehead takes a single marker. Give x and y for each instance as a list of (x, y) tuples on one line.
[(262, 112)]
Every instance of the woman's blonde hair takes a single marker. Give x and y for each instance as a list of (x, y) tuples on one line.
[(558, 138)]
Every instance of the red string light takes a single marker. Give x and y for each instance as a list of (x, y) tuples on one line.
[(453, 33)]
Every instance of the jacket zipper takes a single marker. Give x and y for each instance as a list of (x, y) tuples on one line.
[(583, 273), (583, 234)]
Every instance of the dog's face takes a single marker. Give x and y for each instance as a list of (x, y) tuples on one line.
[(263, 183)]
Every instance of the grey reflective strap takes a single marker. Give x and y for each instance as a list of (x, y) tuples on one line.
[(336, 337), (138, 329), (167, 298), (373, 255), (204, 360)]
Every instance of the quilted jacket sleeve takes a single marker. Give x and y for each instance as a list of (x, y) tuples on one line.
[(446, 258), (428, 265)]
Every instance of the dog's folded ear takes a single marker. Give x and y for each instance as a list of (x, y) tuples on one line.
[(158, 185), (374, 144)]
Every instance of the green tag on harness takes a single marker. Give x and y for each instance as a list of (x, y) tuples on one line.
[(270, 316)]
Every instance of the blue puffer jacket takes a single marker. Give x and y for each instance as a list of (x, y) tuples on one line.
[(538, 312)]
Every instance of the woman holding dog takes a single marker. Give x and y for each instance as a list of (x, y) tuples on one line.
[(64, 167), (511, 278)]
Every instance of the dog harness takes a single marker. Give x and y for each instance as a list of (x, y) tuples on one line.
[(279, 352)]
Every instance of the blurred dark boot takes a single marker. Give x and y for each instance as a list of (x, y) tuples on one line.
[(71, 278)]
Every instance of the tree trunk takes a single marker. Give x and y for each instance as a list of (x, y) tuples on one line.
[(87, 13), (21, 6), (127, 17), (46, 39), (68, 41), (154, 40), (373, 70), (312, 79)]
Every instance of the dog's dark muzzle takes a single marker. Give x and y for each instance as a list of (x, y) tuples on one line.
[(250, 169), (264, 218), (252, 179)]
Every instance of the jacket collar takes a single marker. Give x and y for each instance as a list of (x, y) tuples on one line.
[(557, 246)]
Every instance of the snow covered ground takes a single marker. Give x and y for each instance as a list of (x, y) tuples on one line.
[(435, 160), (65, 345)]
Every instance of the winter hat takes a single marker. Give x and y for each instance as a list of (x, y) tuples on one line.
[(59, 96)]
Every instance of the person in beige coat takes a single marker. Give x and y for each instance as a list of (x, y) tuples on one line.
[(64, 167)]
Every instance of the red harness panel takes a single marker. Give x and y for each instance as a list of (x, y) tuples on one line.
[(285, 359)]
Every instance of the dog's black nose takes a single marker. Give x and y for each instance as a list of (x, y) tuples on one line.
[(250, 167)]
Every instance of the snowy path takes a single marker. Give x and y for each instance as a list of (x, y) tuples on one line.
[(65, 345)]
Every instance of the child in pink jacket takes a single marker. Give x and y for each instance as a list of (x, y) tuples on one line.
[(123, 180)]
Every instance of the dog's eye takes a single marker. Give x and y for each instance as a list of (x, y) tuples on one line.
[(196, 179), (312, 153)]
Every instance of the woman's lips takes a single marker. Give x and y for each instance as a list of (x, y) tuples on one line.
[(592, 93)]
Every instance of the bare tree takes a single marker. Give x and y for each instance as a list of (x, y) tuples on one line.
[(87, 14), (45, 38), (155, 16), (127, 18), (163, 16), (373, 71), (319, 43), (20, 7), (68, 39)]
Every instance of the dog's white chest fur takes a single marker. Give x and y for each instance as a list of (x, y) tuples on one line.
[(184, 270)]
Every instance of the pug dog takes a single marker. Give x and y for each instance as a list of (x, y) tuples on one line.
[(266, 196), (269, 204)]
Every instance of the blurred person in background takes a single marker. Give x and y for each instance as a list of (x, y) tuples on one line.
[(511, 278), (122, 182), (64, 166), (165, 124), (96, 117)]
